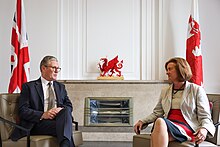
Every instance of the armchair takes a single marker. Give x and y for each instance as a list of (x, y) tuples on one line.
[(8, 118), (143, 140)]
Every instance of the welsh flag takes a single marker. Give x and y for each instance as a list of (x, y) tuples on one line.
[(193, 48), (20, 61)]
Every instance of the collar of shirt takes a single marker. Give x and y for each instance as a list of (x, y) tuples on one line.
[(45, 82)]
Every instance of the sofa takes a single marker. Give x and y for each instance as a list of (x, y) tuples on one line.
[(8, 118)]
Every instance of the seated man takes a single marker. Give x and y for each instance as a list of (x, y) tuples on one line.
[(44, 106)]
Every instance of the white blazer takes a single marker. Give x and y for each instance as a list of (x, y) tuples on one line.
[(194, 107)]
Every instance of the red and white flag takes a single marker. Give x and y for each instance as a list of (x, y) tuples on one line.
[(193, 48), (20, 61)]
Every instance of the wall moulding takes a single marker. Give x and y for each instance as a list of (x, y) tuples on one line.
[(89, 30)]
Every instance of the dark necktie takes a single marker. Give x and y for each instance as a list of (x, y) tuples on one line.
[(51, 98)]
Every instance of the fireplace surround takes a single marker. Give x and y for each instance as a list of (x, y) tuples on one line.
[(144, 94)]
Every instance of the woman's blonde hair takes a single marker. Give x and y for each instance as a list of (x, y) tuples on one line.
[(182, 67)]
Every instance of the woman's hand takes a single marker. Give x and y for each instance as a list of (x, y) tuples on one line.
[(138, 127), (200, 135)]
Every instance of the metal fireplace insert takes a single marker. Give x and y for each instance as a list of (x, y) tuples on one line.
[(108, 111)]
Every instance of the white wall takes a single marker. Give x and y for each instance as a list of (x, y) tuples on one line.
[(209, 23), (144, 33)]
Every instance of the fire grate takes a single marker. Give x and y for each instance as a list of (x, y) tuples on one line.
[(108, 111)]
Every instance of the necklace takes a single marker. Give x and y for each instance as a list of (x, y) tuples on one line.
[(174, 91)]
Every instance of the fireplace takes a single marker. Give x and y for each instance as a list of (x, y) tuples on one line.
[(108, 111)]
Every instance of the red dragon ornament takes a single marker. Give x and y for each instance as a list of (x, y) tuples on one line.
[(110, 67)]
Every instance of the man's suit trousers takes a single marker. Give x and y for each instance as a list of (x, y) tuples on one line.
[(61, 127)]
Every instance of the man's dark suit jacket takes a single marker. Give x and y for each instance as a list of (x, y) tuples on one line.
[(31, 104)]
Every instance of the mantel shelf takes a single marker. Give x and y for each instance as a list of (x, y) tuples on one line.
[(114, 81)]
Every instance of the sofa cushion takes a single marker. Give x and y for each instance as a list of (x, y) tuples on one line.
[(9, 110), (142, 140), (36, 141)]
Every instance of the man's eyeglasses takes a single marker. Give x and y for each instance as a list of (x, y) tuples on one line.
[(58, 69)]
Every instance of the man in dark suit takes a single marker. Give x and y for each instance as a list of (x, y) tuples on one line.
[(36, 111)]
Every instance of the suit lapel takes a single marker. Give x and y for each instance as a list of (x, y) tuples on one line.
[(169, 98), (186, 92), (39, 89), (57, 92)]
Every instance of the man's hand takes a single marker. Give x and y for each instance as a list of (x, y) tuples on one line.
[(51, 114), (138, 127)]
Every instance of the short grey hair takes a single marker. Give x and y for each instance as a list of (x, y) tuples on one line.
[(46, 60)]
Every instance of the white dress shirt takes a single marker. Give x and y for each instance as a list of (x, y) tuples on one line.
[(45, 86)]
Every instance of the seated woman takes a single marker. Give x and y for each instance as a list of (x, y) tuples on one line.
[(182, 112)]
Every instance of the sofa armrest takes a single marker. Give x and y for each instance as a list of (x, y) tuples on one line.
[(217, 124), (144, 126), (17, 126), (76, 125)]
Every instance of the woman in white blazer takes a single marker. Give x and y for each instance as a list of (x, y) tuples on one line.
[(182, 112)]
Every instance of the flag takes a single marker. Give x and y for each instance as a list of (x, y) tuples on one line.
[(193, 48), (20, 61)]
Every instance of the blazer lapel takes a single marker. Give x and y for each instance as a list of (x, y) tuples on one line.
[(57, 92), (185, 92), (169, 97), (170, 93), (39, 89)]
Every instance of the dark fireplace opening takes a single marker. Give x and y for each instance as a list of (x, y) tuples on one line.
[(108, 111)]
